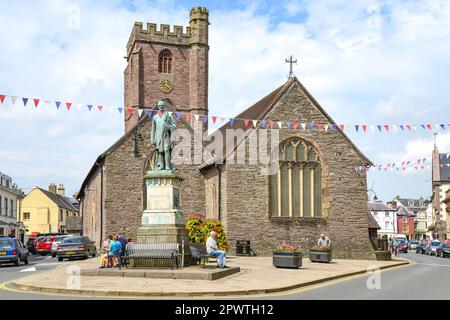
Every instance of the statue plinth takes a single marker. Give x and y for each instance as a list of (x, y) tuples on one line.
[(163, 219)]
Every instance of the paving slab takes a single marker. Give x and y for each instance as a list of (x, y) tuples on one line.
[(256, 276)]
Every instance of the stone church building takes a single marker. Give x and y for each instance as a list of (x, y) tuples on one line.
[(315, 189)]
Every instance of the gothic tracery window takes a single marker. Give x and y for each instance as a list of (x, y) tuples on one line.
[(165, 61), (296, 189)]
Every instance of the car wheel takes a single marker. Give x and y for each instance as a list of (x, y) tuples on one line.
[(17, 262), (60, 259), (53, 255), (26, 259)]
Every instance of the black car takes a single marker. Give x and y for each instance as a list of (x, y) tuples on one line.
[(443, 250), (31, 245), (421, 247)]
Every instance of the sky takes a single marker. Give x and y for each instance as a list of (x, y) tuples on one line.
[(366, 62)]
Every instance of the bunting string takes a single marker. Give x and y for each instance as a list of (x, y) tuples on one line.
[(301, 124)]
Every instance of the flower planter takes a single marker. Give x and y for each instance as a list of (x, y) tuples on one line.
[(286, 259), (319, 255)]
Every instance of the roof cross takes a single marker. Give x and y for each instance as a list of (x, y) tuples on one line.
[(291, 62)]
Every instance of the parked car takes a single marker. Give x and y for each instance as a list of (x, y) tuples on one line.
[(413, 244), (421, 247), (13, 251), (55, 244), (443, 250), (402, 246), (44, 245), (76, 247), (431, 247)]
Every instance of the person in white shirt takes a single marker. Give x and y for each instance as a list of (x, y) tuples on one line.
[(324, 241), (213, 250)]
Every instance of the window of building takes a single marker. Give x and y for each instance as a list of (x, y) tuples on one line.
[(60, 214), (11, 209), (387, 224), (296, 190), (26, 216), (165, 61), (6, 207), (387, 215), (2, 232), (1, 209)]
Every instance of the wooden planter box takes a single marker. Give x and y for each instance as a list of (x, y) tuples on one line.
[(285, 259), (320, 255)]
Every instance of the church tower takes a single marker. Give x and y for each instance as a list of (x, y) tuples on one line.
[(168, 63)]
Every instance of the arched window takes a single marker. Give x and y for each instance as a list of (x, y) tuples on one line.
[(165, 61), (296, 189)]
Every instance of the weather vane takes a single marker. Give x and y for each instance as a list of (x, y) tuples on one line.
[(291, 62)]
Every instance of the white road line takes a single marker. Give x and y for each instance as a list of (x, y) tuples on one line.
[(434, 264), (28, 269)]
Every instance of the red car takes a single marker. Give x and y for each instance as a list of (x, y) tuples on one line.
[(44, 245), (402, 246)]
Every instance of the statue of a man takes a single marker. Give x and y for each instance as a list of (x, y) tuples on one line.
[(162, 137)]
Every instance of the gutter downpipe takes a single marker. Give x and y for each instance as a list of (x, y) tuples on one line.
[(101, 201), (219, 206)]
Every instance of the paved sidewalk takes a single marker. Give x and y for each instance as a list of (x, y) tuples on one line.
[(257, 276)]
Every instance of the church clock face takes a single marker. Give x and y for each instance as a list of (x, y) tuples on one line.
[(166, 86)]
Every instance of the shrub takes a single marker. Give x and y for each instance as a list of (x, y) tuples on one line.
[(199, 228), (286, 246)]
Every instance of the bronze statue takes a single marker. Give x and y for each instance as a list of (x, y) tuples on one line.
[(162, 137)]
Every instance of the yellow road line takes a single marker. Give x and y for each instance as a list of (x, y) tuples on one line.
[(4, 286)]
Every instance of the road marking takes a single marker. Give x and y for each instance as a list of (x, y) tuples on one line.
[(28, 269), (434, 264)]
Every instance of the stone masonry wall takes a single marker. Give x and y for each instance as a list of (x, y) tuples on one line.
[(343, 189)]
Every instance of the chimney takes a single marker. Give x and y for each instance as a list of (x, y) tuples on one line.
[(52, 188), (61, 190)]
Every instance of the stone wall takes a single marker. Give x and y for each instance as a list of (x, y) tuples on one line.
[(344, 192)]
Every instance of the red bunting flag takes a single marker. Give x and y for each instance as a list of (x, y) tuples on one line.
[(99, 108), (36, 102), (422, 167), (364, 127), (403, 163), (68, 105), (429, 126), (404, 168), (319, 126), (246, 121), (214, 119), (271, 124), (342, 126), (130, 111), (408, 126), (295, 125), (386, 126), (2, 99)]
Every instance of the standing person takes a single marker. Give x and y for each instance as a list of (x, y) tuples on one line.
[(395, 247), (213, 250), (116, 248), (324, 242), (104, 260)]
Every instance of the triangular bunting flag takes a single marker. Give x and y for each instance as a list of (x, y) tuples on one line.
[(205, 119), (423, 126), (140, 111), (401, 127), (357, 128), (408, 126), (386, 126), (255, 123), (58, 104), (303, 125), (214, 119), (443, 126), (372, 128), (271, 124), (295, 125), (2, 98), (25, 100), (36, 102), (334, 126), (169, 113), (120, 109), (342, 127), (364, 127), (89, 106), (79, 105), (130, 111), (109, 109), (232, 121), (326, 126), (197, 117), (319, 126), (149, 113), (246, 121), (429, 126), (100, 108), (68, 105), (280, 124), (13, 99), (379, 128)]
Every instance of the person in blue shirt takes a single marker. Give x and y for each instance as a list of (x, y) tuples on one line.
[(116, 247)]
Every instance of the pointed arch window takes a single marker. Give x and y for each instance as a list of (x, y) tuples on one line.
[(296, 189), (165, 61)]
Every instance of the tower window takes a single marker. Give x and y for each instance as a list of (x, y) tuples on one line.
[(165, 61)]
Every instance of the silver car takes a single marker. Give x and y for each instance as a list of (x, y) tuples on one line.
[(76, 247), (432, 247), (56, 243)]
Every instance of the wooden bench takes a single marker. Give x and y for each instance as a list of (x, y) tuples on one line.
[(154, 251)]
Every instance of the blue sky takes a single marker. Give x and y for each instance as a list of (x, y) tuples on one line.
[(372, 62)]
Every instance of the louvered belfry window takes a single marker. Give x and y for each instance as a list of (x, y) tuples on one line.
[(165, 61)]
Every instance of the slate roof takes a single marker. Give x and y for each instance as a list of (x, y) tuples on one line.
[(60, 201), (378, 206)]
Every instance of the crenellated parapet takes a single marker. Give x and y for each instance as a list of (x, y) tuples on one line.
[(197, 32)]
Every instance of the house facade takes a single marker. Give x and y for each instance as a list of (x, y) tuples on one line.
[(9, 196), (385, 216)]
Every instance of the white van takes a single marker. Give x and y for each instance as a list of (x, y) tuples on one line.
[(400, 237)]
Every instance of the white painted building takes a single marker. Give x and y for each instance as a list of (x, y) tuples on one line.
[(385, 216), (9, 196)]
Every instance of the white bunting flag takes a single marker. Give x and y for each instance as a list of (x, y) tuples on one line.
[(79, 105), (13, 99), (326, 126), (280, 124), (110, 109), (255, 123), (170, 113), (140, 112), (196, 116), (303, 125), (372, 128)]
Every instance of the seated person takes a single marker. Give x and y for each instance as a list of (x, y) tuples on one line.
[(213, 250), (324, 242)]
